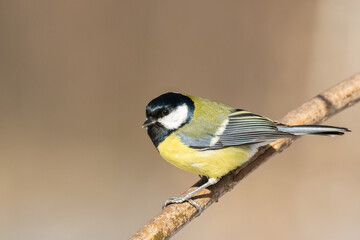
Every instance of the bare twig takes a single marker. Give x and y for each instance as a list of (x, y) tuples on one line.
[(175, 216)]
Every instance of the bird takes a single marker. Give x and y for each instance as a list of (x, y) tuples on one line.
[(211, 139)]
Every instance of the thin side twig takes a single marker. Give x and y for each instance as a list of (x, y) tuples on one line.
[(174, 217)]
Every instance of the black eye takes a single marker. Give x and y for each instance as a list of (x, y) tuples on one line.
[(165, 112)]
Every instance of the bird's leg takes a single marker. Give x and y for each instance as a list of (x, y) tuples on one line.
[(211, 181)]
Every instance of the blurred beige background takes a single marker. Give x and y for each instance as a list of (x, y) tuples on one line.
[(75, 77)]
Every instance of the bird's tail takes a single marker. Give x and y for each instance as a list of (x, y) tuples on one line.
[(312, 129)]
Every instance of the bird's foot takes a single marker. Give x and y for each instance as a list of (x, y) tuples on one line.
[(182, 199)]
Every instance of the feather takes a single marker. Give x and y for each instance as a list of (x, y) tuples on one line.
[(241, 128), (313, 129), (244, 128)]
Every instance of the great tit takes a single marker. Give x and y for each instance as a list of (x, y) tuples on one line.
[(211, 139)]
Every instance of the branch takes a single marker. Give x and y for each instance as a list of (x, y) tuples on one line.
[(176, 216)]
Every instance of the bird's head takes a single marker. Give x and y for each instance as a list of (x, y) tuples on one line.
[(167, 113)]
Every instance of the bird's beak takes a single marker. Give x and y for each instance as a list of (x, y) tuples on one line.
[(148, 122)]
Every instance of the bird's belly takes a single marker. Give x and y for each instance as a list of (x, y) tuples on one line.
[(210, 163)]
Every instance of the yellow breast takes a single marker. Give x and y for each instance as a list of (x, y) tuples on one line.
[(210, 163)]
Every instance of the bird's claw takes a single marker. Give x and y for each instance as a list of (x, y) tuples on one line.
[(197, 206), (174, 200), (181, 200)]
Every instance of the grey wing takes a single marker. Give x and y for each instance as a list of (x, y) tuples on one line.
[(249, 128), (241, 128)]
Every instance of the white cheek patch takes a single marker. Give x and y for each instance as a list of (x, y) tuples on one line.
[(176, 118)]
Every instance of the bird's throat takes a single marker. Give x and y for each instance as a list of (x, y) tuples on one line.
[(158, 133)]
